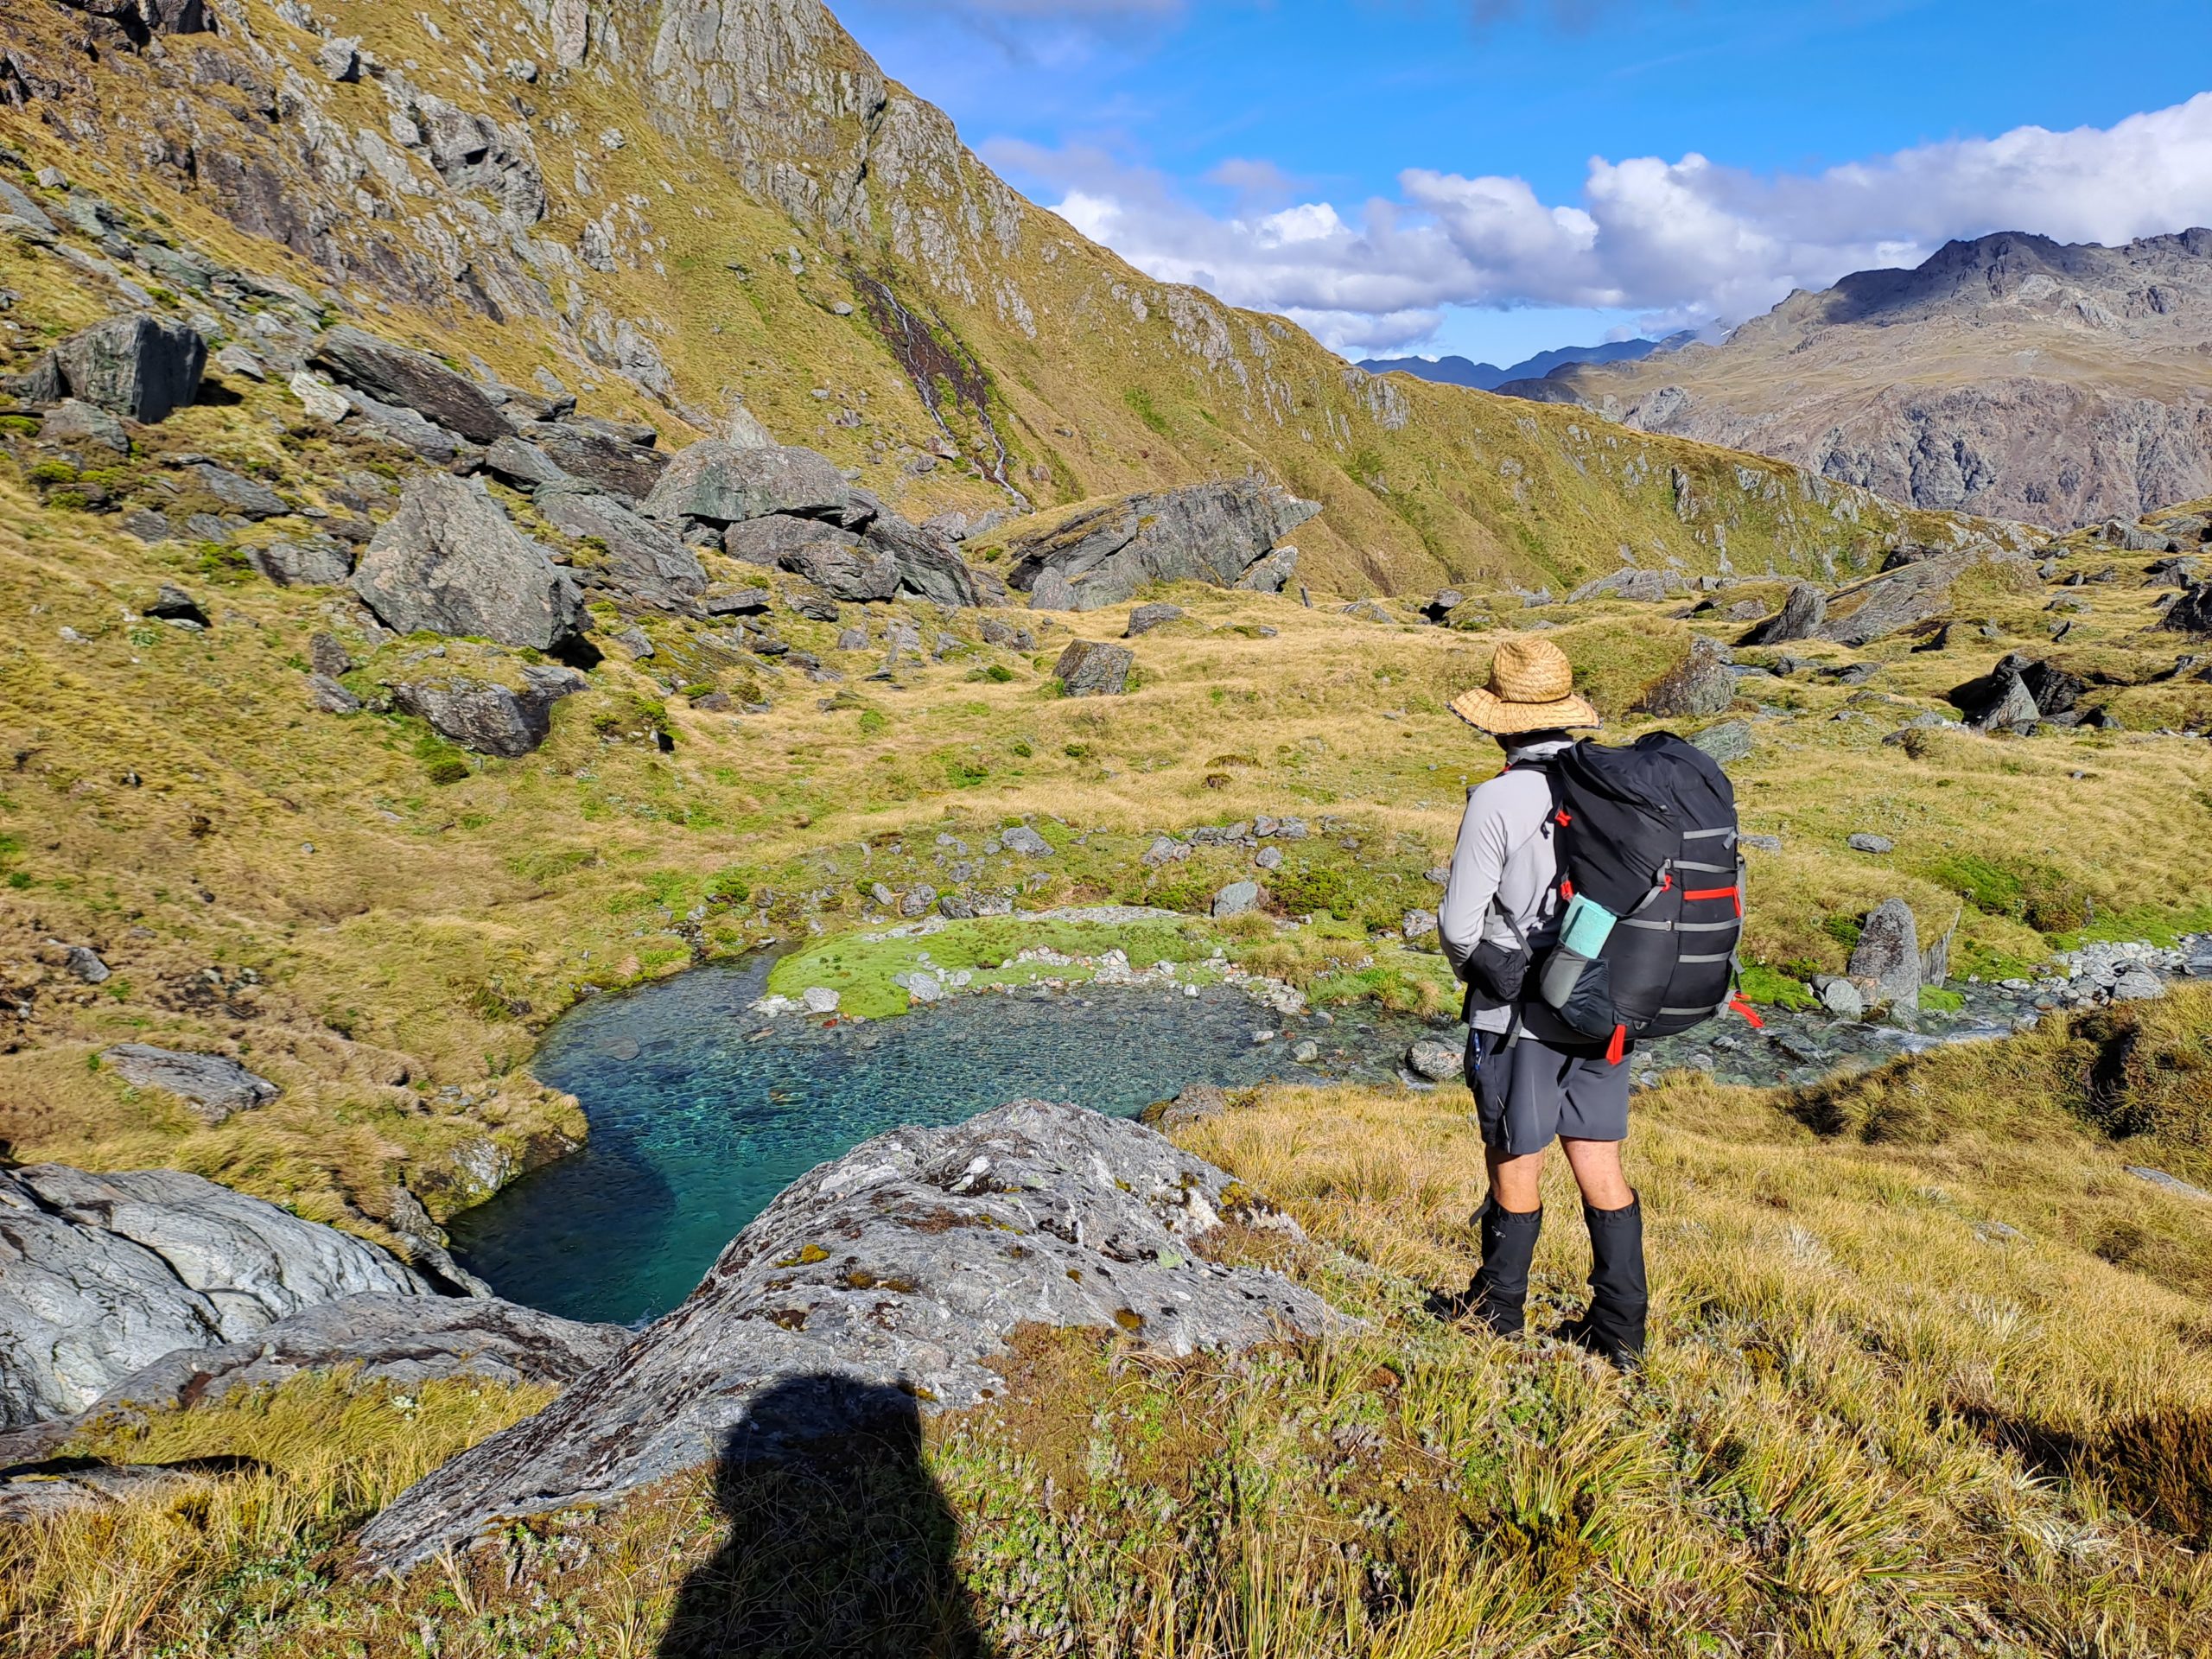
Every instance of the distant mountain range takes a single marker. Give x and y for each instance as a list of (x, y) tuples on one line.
[(2012, 375), (1488, 376)]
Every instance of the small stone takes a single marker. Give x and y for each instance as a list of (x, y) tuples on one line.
[(82, 962), (1839, 997), (238, 361), (2138, 985), (1267, 858), (340, 60), (1761, 843), (918, 901), (1727, 742), (1418, 925), (2173, 1183), (319, 397), (819, 999), (1024, 840), (1306, 1051), (173, 604), (75, 422), (1888, 954), (1437, 1061), (922, 988), (214, 1086), (1236, 899), (1866, 843)]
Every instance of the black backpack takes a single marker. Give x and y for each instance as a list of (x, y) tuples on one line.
[(1649, 832)]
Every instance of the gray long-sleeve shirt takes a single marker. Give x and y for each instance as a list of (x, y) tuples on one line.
[(1504, 852)]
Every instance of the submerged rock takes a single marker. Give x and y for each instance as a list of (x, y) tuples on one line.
[(101, 1276), (909, 1263)]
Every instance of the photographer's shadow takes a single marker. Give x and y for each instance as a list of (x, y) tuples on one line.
[(839, 1543)]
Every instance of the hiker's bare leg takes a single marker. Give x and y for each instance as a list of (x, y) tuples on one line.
[(1597, 1167), (1516, 1183)]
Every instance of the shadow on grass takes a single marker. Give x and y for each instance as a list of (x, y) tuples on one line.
[(839, 1541)]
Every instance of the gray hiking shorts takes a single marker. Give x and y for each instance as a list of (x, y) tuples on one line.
[(1526, 1096)]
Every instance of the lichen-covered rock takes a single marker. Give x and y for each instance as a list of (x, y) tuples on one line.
[(101, 1276), (487, 716), (451, 562), (1094, 668), (1213, 533), (1888, 954), (908, 1263), (312, 561), (720, 484), (617, 463), (212, 1086), (381, 1335), (642, 563), (1700, 684), (410, 380), (1800, 617), (139, 366), (1146, 617)]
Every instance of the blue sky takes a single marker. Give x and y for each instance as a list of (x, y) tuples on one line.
[(1498, 176)]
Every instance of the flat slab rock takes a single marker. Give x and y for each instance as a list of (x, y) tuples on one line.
[(403, 1340), (101, 1276), (907, 1263)]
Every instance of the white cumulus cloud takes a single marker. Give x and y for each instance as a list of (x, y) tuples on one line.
[(1684, 242)]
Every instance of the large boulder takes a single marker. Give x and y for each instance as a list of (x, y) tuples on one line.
[(487, 716), (1888, 954), (101, 1276), (214, 1087), (1101, 555), (412, 380), (1094, 668), (2191, 613), (643, 564), (451, 561), (380, 1336), (927, 566), (720, 484), (617, 462), (2018, 692), (139, 366), (909, 1263), (1700, 684), (1800, 617)]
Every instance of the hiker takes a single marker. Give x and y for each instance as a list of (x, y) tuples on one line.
[(1535, 1078), (1597, 896)]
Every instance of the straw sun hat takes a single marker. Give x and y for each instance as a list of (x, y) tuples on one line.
[(1531, 689)]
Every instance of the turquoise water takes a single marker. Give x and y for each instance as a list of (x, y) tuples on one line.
[(701, 1112)]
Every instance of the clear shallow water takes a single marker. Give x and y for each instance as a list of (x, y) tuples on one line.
[(697, 1122)]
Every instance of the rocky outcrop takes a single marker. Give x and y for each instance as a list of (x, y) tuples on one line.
[(1700, 683), (1800, 617), (1896, 599), (101, 1276), (141, 367), (451, 562), (908, 1263), (1214, 533), (214, 1087), (380, 1336), (413, 380), (487, 716)]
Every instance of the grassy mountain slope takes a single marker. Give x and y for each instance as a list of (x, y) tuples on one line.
[(681, 206)]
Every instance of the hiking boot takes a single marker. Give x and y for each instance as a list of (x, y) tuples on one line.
[(1612, 1327), (1499, 1292)]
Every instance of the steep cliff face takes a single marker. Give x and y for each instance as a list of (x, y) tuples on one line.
[(2013, 375), (696, 205)]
